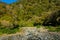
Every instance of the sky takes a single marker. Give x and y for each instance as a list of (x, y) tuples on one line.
[(8, 1)]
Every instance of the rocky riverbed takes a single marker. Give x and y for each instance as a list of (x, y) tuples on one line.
[(32, 33)]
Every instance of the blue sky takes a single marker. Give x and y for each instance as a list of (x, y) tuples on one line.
[(8, 1)]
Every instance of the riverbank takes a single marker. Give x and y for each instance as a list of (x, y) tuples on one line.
[(32, 33)]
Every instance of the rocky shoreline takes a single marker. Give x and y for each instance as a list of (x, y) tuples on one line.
[(32, 33)]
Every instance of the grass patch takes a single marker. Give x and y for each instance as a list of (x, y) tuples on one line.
[(8, 30), (53, 29), (38, 26)]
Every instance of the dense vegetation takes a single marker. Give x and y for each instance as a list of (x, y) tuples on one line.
[(26, 13)]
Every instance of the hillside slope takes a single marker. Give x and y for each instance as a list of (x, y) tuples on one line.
[(26, 13)]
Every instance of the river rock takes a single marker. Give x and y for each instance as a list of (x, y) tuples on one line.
[(32, 33)]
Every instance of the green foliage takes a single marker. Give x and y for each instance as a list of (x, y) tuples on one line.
[(53, 29), (8, 30), (26, 13)]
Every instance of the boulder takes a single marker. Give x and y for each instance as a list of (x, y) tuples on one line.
[(53, 19)]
